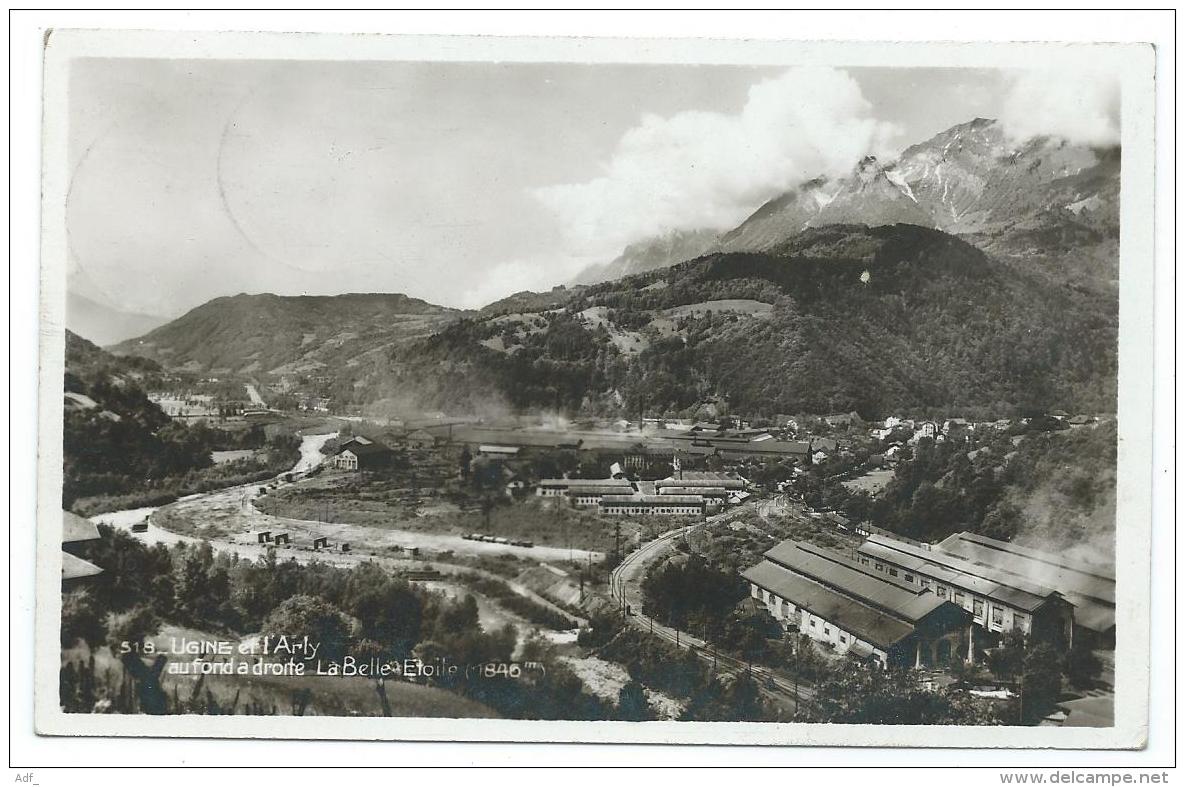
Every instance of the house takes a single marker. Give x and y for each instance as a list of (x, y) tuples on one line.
[(362, 453), (75, 532), (421, 439), (843, 420), (833, 599), (925, 429), (998, 600), (503, 451)]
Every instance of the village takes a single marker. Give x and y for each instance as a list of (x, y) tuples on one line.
[(629, 499)]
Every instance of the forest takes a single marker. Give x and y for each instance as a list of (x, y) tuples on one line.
[(877, 320), (122, 451)]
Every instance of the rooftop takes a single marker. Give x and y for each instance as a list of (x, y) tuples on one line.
[(1091, 588), (653, 499), (863, 621), (75, 528), (835, 572), (980, 580)]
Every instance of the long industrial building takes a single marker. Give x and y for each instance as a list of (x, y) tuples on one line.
[(652, 505), (834, 599), (1089, 587), (999, 600)]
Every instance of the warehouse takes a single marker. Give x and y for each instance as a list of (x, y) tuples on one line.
[(693, 479), (997, 600), (833, 599), (567, 487), (652, 505), (590, 496), (1089, 587), (717, 493)]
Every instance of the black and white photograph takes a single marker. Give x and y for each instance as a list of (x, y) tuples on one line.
[(434, 386)]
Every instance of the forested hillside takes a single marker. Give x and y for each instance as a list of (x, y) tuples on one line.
[(1054, 490), (121, 450), (840, 318), (273, 334)]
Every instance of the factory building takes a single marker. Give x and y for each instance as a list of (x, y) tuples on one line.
[(833, 599), (1089, 587), (690, 479), (998, 600), (568, 487), (652, 505)]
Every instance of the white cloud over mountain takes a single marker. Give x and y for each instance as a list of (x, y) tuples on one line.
[(1082, 108), (709, 169)]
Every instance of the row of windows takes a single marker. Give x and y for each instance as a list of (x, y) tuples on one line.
[(957, 596)]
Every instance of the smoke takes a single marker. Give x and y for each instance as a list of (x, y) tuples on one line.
[(1054, 523), (710, 169), (1082, 108)]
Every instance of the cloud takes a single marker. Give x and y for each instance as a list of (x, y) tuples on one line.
[(709, 169), (1082, 108)]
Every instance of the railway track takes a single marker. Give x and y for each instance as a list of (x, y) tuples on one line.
[(622, 586)]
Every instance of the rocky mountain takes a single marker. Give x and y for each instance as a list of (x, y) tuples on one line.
[(1044, 202), (832, 319), (658, 252), (781, 217), (272, 334), (1046, 199)]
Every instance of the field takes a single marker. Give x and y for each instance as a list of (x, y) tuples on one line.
[(871, 482), (382, 504)]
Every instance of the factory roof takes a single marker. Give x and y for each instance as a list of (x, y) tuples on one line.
[(712, 491), (1089, 587), (980, 580), (861, 620), (572, 483), (75, 528), (653, 499), (833, 571), (77, 568), (724, 483), (616, 490)]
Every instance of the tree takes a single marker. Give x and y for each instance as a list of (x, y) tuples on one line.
[(309, 616), (388, 610), (1006, 661), (632, 704), (83, 618), (1041, 683), (1082, 667), (127, 631)]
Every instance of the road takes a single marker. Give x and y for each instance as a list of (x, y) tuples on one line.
[(232, 506), (625, 583), (253, 395)]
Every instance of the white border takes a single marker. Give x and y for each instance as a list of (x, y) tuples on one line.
[(1134, 303)]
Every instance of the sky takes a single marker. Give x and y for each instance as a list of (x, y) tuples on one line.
[(460, 183)]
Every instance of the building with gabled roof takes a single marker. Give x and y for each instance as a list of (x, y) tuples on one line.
[(1089, 587), (999, 601), (75, 531), (652, 505), (362, 453), (833, 599)]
